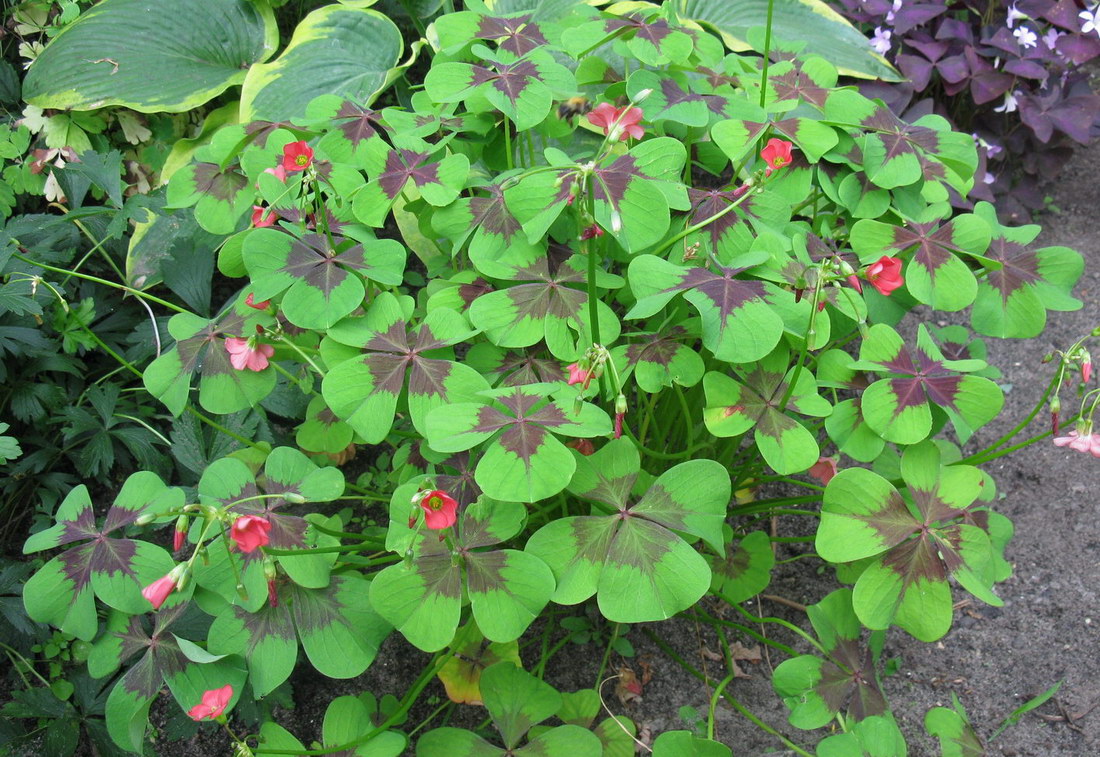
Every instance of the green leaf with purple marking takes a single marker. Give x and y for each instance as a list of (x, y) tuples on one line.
[(738, 137), (551, 305), (660, 360), (322, 431), (113, 569), (935, 274), (670, 98), (518, 33), (523, 459), (636, 560), (632, 194), (756, 402), (1012, 301), (953, 729), (160, 661), (740, 324), (872, 737), (320, 282), (729, 231), (507, 589), (522, 88), (897, 407), (746, 570), (495, 235), (391, 169), (817, 689), (648, 35), (200, 346), (917, 540), (338, 628), (214, 184), (364, 390)]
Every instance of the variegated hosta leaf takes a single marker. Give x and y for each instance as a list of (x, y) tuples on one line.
[(364, 390), (422, 596), (816, 689), (200, 346), (338, 628), (522, 88), (113, 569), (551, 306), (935, 274), (523, 460), (733, 407), (634, 560), (740, 324), (864, 516), (632, 193), (390, 169), (320, 283), (897, 407), (659, 360), (161, 660), (1012, 301)]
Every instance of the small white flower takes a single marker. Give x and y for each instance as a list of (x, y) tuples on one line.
[(881, 41), (992, 150), (893, 10), (1026, 37), (1010, 104), (1014, 16), (989, 178), (1091, 21), (1050, 39)]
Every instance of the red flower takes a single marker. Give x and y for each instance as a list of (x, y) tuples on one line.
[(245, 353), (440, 510), (179, 535), (250, 532), (823, 470), (297, 156), (1086, 369), (259, 220), (885, 275), (777, 154), (257, 305), (578, 375), (617, 122), (591, 232), (213, 704), (158, 591)]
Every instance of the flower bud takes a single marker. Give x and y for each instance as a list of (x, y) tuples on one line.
[(145, 519), (180, 533), (294, 498), (641, 96), (242, 592), (616, 221)]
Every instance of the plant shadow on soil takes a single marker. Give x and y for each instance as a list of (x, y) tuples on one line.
[(994, 659)]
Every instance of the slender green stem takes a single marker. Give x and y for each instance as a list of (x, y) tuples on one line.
[(689, 423), (714, 703), (729, 699), (779, 621), (695, 227), (593, 312), (104, 282), (606, 655), (767, 53), (508, 143), (222, 429), (1022, 424), (304, 356), (315, 550)]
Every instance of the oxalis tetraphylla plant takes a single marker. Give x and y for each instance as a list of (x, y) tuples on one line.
[(620, 311)]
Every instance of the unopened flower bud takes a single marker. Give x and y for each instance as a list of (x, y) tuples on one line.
[(641, 96), (294, 498), (1055, 409), (145, 519), (180, 534), (181, 574), (616, 221), (1086, 367), (242, 592), (620, 404)]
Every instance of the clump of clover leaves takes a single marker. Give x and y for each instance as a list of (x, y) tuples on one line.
[(347, 722)]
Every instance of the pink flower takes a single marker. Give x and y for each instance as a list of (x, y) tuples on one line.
[(777, 154), (617, 122), (1086, 369), (158, 591), (250, 532), (245, 353), (179, 535), (259, 220), (823, 470), (297, 156), (213, 704), (257, 305), (279, 172), (578, 375), (885, 275), (440, 510), (1088, 443)]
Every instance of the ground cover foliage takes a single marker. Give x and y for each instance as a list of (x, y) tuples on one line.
[(536, 304)]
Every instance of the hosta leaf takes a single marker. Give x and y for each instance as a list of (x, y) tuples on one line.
[(364, 391), (154, 67), (336, 49), (391, 169), (200, 346), (1012, 301), (739, 323), (320, 282), (746, 570)]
